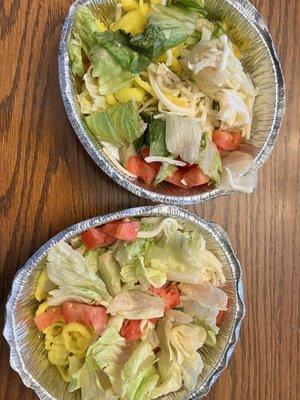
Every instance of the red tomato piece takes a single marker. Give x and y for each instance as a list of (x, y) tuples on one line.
[(122, 229), (227, 140), (169, 293), (49, 317), (145, 152), (95, 237), (153, 320), (131, 330), (195, 177), (94, 316), (137, 166), (176, 178), (220, 317)]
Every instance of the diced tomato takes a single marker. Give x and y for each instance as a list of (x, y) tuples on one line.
[(220, 317), (176, 178), (153, 320), (137, 166), (122, 229), (131, 330), (49, 317), (227, 140), (145, 152), (94, 316), (169, 293), (195, 177), (96, 237)]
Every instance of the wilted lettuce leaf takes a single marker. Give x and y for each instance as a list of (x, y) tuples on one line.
[(109, 270), (85, 24), (120, 124), (157, 131), (209, 158), (167, 27)]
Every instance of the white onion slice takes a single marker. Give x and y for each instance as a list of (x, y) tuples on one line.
[(167, 160)]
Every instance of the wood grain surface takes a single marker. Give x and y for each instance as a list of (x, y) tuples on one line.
[(48, 182)]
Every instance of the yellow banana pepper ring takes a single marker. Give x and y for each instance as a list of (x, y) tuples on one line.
[(76, 338)]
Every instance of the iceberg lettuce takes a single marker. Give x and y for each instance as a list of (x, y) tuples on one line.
[(109, 270), (70, 272), (120, 124), (136, 304), (139, 376), (209, 158)]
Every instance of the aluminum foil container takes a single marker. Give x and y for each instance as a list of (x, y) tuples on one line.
[(27, 354), (261, 62)]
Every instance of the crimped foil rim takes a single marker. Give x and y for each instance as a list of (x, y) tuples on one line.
[(256, 20), (218, 234)]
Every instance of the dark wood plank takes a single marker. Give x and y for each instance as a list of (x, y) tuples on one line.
[(47, 182)]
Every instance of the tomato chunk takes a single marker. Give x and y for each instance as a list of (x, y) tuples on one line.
[(169, 293), (122, 230), (94, 316), (145, 152), (49, 317), (131, 330), (195, 177), (137, 166), (227, 140), (220, 317), (96, 237), (176, 178)]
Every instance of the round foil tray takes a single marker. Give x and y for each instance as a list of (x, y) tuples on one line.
[(261, 62), (27, 354)]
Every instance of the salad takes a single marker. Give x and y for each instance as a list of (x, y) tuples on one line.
[(125, 307), (163, 91)]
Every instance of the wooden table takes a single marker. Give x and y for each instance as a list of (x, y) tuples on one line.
[(48, 182)]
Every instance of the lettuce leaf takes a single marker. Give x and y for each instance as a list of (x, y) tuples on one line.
[(209, 158), (91, 258), (70, 272), (164, 172), (167, 27), (206, 294), (84, 26), (109, 271), (183, 137), (193, 5), (117, 44), (112, 76), (186, 339), (105, 353), (235, 165), (157, 132), (136, 304), (139, 376), (91, 387), (120, 124)]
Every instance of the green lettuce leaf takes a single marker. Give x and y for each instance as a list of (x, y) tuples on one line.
[(117, 44), (120, 124), (167, 27), (75, 366), (109, 270), (164, 172), (112, 76), (139, 376), (136, 304), (157, 131), (209, 158), (84, 26), (105, 353), (91, 387), (193, 5), (91, 258), (70, 272)]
